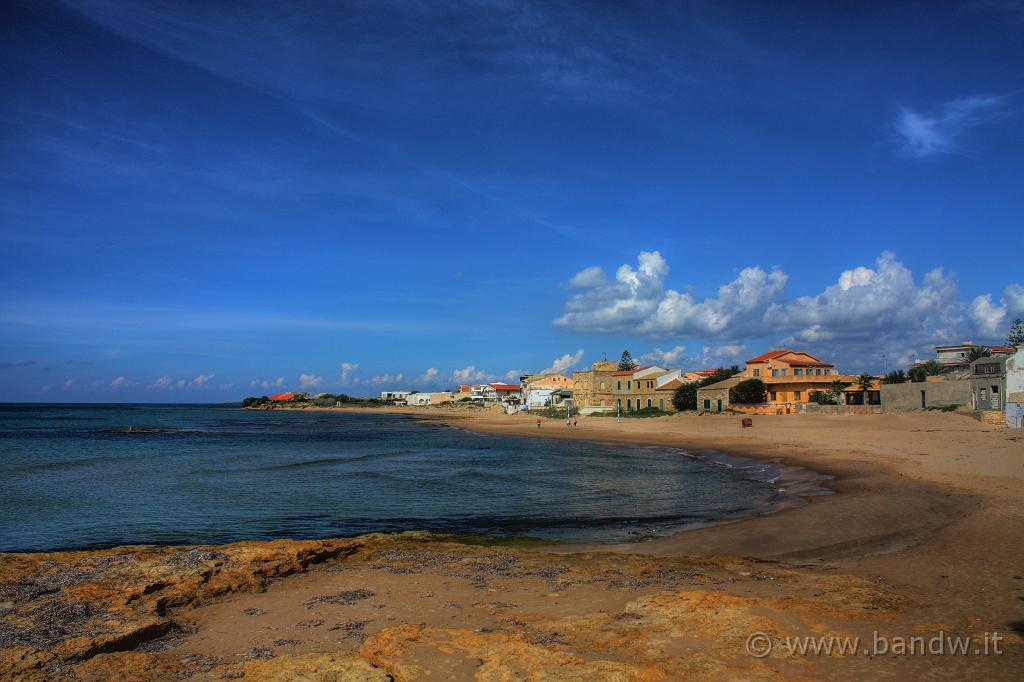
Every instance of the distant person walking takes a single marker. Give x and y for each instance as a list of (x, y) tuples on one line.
[(575, 422), (538, 423)]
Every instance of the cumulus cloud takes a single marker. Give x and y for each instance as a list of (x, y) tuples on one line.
[(310, 380), (937, 131), (119, 382), (68, 384), (866, 309), (638, 302), (993, 320), (869, 305), (386, 378), (667, 358), (163, 382), (264, 383), (470, 374), (565, 363), (203, 378), (588, 278), (347, 372)]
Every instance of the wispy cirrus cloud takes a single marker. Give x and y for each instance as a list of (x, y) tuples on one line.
[(938, 131)]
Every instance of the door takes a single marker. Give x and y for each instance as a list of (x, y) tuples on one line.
[(719, 404)]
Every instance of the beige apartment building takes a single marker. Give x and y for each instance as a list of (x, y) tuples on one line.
[(605, 388)]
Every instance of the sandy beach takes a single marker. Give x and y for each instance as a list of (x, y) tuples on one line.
[(924, 535)]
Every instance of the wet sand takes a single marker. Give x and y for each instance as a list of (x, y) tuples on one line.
[(924, 534)]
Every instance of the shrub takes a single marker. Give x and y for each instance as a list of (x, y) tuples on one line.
[(749, 391)]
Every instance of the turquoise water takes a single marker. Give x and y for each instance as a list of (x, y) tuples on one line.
[(68, 479)]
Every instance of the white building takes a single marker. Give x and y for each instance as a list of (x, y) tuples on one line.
[(393, 396)]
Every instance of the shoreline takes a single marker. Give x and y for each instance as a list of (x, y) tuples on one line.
[(924, 535)]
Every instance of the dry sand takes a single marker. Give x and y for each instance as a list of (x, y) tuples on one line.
[(925, 535)]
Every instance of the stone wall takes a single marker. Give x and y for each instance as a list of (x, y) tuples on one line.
[(908, 396), (815, 408)]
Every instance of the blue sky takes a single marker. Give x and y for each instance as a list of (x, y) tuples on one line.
[(201, 201)]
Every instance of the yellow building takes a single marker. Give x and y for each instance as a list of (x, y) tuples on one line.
[(592, 388), (791, 376)]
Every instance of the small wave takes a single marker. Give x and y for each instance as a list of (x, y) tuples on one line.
[(327, 461)]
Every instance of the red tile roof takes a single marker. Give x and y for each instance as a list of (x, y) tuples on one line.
[(1003, 349), (283, 396), (504, 387), (770, 355)]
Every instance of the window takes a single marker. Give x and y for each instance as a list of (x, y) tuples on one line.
[(772, 396), (650, 384), (618, 385), (784, 372), (707, 404), (650, 403), (629, 404), (818, 371), (775, 372), (661, 404), (602, 385), (757, 372), (827, 372), (798, 372), (988, 368), (629, 385), (796, 395)]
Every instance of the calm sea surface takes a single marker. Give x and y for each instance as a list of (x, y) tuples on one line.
[(68, 479)]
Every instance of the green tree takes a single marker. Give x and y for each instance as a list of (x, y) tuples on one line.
[(897, 376), (864, 382), (978, 352), (917, 374), (933, 368), (1016, 336), (822, 397), (626, 362), (749, 391), (837, 387)]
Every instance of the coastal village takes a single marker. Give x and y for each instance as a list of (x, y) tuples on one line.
[(986, 382)]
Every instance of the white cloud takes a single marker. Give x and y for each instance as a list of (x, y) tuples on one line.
[(258, 383), (119, 382), (665, 358), (470, 374), (937, 131), (588, 278), (513, 375), (181, 383), (865, 312), (637, 302), (347, 372), (386, 378), (68, 384), (203, 378), (993, 321), (565, 363), (163, 382), (310, 380), (875, 306)]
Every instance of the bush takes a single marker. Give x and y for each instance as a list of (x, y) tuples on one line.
[(749, 391), (822, 397)]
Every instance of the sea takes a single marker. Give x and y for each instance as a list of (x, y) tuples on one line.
[(88, 476)]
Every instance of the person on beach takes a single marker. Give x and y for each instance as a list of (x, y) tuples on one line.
[(538, 423), (575, 422)]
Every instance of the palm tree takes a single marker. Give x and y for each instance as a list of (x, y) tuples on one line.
[(897, 376), (864, 381), (978, 352), (933, 368), (838, 386)]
